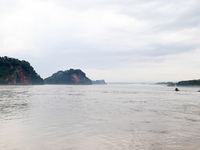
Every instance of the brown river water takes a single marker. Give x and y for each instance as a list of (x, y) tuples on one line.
[(99, 117)]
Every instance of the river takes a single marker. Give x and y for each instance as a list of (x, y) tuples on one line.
[(99, 117)]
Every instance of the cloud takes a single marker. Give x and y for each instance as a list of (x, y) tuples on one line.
[(99, 35), (173, 67)]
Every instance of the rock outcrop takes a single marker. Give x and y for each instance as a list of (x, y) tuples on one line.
[(72, 77), (99, 82), (176, 89), (14, 71)]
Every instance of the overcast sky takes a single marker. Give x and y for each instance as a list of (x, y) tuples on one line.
[(115, 40)]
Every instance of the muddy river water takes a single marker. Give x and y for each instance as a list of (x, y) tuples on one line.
[(99, 117)]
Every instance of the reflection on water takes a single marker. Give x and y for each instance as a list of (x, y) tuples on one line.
[(105, 117)]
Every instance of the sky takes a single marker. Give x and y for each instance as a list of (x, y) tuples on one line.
[(114, 40)]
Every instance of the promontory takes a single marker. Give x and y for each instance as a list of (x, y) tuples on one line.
[(17, 72)]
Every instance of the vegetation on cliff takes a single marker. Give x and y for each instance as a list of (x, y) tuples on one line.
[(14, 71), (72, 76)]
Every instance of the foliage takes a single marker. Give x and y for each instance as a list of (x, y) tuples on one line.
[(8, 67), (66, 77), (189, 83)]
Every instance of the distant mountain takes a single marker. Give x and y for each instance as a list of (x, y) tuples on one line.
[(14, 71), (99, 82), (189, 83), (72, 76), (167, 83), (182, 83)]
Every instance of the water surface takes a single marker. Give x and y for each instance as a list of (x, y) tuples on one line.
[(99, 117)]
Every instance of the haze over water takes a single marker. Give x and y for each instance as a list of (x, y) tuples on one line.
[(99, 117)]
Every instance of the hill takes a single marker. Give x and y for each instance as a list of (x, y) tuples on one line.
[(14, 71), (189, 83), (182, 83), (72, 76)]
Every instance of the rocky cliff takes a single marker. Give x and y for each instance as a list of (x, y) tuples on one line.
[(14, 71), (72, 76)]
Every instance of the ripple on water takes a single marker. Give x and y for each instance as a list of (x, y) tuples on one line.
[(113, 117)]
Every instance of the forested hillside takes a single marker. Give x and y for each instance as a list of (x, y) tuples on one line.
[(14, 71), (72, 76)]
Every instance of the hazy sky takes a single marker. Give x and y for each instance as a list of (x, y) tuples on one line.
[(115, 40)]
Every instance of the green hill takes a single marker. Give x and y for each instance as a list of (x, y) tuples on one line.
[(72, 76), (183, 83), (14, 71), (189, 83)]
